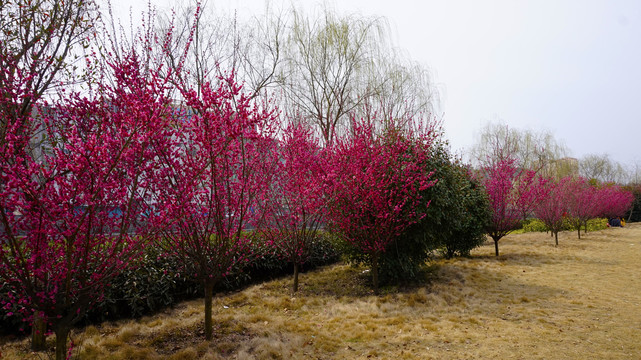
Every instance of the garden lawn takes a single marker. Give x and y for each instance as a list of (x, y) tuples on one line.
[(579, 300)]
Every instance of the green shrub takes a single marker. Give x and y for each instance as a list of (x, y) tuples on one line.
[(597, 224), (159, 280), (467, 229), (12, 320), (269, 263), (456, 211), (534, 225), (634, 214), (154, 282)]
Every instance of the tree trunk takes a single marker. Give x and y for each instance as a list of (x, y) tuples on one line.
[(296, 270), (209, 326), (556, 238), (38, 332), (496, 247), (579, 232), (62, 333), (375, 273)]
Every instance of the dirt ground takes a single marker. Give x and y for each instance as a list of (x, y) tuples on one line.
[(580, 300)]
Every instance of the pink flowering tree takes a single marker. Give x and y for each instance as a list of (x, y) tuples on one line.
[(614, 201), (294, 203), (583, 202), (529, 189), (376, 185), (587, 201), (73, 216), (551, 208), (211, 178), (499, 181)]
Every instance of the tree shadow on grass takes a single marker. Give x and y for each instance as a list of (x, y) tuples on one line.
[(354, 282)]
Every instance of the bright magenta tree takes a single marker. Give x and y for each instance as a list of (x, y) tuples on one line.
[(294, 203), (614, 201), (583, 202), (73, 200), (529, 189), (499, 181), (551, 208), (376, 184), (221, 158)]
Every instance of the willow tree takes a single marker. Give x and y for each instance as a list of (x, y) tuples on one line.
[(221, 43), (336, 67), (320, 68), (529, 149)]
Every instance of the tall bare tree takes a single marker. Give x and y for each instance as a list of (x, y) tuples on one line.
[(530, 149), (401, 90), (320, 67), (222, 43), (602, 168), (323, 76)]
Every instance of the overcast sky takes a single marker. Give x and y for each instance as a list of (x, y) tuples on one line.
[(571, 67)]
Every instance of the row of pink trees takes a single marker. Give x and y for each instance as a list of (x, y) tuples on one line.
[(122, 165), (96, 176), (575, 201), (585, 200), (516, 194)]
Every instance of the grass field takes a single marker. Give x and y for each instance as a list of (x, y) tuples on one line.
[(580, 300)]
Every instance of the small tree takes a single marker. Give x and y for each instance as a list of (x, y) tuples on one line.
[(633, 212), (376, 186), (499, 181), (551, 208), (212, 175), (294, 203), (582, 202)]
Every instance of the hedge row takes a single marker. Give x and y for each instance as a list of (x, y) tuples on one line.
[(159, 281)]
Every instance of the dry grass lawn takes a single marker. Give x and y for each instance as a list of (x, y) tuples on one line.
[(577, 301)]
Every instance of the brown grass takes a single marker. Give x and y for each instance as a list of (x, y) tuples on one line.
[(536, 301)]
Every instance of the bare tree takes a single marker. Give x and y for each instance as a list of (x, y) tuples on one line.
[(337, 67), (602, 168), (634, 173), (321, 75), (402, 90), (222, 44), (531, 150)]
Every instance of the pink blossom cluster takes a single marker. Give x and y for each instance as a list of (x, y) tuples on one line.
[(376, 182), (73, 203), (294, 204)]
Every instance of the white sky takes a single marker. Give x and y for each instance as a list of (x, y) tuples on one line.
[(569, 66)]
